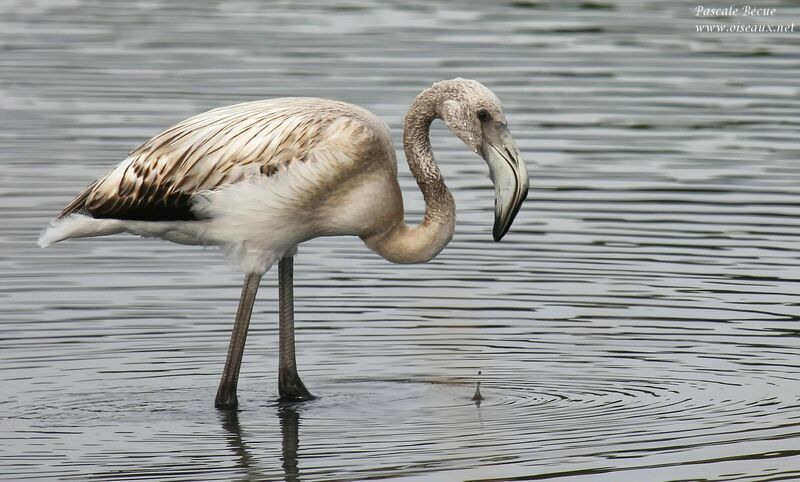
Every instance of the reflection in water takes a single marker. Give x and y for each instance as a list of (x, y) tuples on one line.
[(244, 459), (289, 420)]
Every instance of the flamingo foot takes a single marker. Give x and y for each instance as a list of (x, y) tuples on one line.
[(291, 388)]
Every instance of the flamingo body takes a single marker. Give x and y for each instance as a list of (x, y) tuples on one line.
[(256, 179), (259, 178)]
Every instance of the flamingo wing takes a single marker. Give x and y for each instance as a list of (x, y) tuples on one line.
[(160, 179)]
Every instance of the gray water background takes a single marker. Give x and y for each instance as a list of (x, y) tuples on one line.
[(639, 322)]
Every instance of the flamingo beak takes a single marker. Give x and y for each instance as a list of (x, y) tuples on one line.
[(508, 173)]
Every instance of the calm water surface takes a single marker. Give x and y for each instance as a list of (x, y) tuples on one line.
[(639, 322)]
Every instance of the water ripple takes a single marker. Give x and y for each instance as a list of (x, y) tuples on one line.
[(639, 322)]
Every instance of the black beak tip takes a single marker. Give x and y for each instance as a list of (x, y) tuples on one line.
[(498, 233)]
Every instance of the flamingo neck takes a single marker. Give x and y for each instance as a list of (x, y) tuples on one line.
[(418, 244)]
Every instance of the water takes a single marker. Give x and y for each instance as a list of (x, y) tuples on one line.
[(639, 322)]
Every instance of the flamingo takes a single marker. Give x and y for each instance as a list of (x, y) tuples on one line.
[(259, 178)]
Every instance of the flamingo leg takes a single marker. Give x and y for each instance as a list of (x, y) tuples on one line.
[(226, 393), (290, 387)]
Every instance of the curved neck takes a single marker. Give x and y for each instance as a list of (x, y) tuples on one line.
[(403, 243)]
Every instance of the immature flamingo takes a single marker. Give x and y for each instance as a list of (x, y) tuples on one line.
[(259, 178)]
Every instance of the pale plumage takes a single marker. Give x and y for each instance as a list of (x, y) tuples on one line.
[(259, 178), (253, 178)]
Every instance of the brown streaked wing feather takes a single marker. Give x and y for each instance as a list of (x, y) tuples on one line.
[(159, 179), (77, 204)]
